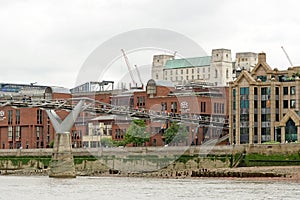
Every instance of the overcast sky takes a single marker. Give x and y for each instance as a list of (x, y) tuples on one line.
[(48, 41)]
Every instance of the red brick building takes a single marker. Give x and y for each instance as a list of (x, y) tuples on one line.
[(202, 109), (27, 127)]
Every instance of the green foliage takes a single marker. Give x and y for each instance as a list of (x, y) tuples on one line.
[(51, 144), (107, 142), (175, 134), (297, 74), (136, 134)]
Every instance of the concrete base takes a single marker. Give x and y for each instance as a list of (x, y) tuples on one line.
[(62, 163)]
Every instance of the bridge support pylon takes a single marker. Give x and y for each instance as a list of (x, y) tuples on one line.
[(62, 163)]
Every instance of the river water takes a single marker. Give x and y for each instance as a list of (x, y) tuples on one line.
[(90, 188)]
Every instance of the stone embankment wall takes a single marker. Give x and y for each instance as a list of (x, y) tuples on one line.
[(168, 161)]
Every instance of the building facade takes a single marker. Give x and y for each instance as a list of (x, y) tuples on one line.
[(214, 70), (28, 127), (203, 110), (264, 105)]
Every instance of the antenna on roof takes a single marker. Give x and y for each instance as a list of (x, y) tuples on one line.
[(33, 83)]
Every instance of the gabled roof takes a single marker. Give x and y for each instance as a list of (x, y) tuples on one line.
[(290, 114), (264, 65), (247, 76), (188, 62)]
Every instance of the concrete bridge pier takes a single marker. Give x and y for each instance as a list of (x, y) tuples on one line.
[(62, 163)]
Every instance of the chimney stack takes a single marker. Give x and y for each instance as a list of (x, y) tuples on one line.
[(261, 57)]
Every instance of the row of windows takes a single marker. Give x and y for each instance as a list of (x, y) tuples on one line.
[(18, 117), (219, 108), (266, 91), (16, 133), (292, 103), (187, 71), (187, 77), (292, 90)]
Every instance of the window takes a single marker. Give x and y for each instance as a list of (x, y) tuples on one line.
[(192, 71), (18, 132), (234, 93), (10, 116), (244, 91), (263, 104), (187, 71), (227, 73), (10, 132), (293, 90), (285, 103), (277, 103), (39, 114), (285, 90), (187, 77), (141, 101), (216, 73), (192, 77), (18, 116), (293, 103), (277, 91), (255, 91), (163, 106), (264, 91), (174, 107), (182, 71), (38, 131), (203, 70), (262, 78), (203, 106)]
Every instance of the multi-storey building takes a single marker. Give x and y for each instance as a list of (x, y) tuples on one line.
[(158, 63), (245, 61), (215, 69), (264, 105), (204, 110), (27, 127)]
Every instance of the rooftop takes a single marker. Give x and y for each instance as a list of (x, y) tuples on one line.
[(188, 62)]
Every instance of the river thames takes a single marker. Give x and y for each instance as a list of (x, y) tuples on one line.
[(43, 188)]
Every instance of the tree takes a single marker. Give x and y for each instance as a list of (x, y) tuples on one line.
[(136, 133), (176, 133), (106, 142)]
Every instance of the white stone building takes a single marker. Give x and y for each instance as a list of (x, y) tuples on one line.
[(217, 69)]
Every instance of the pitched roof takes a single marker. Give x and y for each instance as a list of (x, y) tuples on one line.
[(247, 76), (188, 62)]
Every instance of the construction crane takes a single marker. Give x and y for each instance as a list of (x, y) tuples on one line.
[(287, 56), (128, 66), (139, 75)]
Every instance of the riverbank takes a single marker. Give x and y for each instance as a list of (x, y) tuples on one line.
[(274, 173)]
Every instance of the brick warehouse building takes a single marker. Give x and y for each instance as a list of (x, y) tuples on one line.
[(27, 127), (203, 108), (264, 105)]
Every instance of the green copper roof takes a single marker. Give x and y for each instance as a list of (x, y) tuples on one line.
[(188, 62)]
